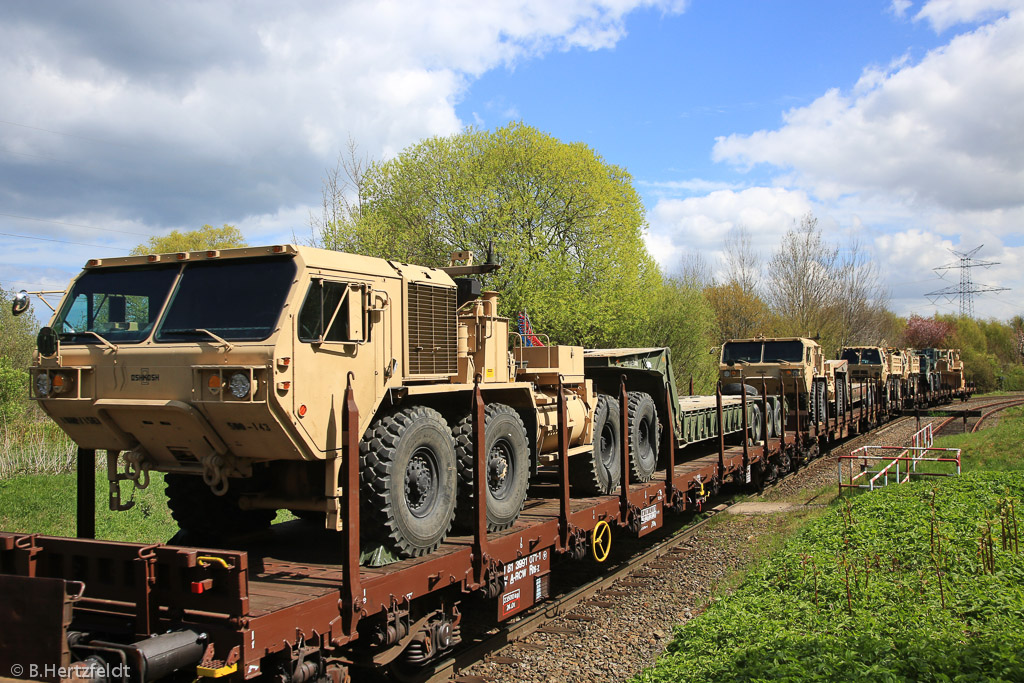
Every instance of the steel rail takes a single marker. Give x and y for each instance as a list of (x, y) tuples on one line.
[(1009, 404)]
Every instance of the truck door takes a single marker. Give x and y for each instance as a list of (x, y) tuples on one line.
[(334, 335)]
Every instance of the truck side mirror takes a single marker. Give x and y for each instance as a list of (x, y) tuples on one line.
[(20, 303)]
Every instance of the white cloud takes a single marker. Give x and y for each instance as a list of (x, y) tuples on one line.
[(944, 131), (942, 14), (171, 115), (675, 188), (909, 259), (900, 7), (679, 226)]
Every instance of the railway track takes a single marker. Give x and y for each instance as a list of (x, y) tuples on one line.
[(678, 533), (987, 408), (599, 591)]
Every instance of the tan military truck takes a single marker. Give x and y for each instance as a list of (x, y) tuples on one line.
[(951, 369), (869, 366), (227, 370), (796, 361)]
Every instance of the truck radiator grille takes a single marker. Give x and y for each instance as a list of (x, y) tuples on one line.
[(433, 335)]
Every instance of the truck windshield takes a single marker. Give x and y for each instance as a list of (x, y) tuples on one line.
[(783, 352), (871, 356), (746, 352), (238, 300), (119, 304)]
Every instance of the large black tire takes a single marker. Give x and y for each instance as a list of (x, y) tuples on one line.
[(769, 421), (754, 424), (816, 403), (735, 389), (408, 473), (205, 518), (643, 436), (778, 417), (600, 472), (507, 467)]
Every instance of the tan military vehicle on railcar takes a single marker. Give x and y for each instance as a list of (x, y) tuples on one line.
[(951, 370), (227, 369), (796, 362)]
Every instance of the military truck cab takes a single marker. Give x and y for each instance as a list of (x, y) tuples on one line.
[(792, 366)]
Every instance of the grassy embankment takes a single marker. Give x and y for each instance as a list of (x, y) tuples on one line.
[(38, 488), (919, 582)]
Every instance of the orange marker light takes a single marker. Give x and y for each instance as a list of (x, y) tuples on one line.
[(60, 383), (214, 383), (302, 410)]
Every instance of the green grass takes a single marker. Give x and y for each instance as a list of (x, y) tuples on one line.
[(887, 586), (45, 504), (995, 448), (34, 446)]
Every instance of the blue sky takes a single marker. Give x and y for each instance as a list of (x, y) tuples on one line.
[(896, 122)]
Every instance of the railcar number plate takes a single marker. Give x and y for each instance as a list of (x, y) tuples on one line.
[(522, 578), (650, 518)]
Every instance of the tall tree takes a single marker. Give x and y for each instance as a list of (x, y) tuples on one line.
[(683, 320), (861, 304), (567, 226), (341, 194), (805, 290), (742, 262), (740, 314), (924, 333), (206, 237)]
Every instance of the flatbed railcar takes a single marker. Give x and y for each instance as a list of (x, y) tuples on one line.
[(290, 607), (294, 603)]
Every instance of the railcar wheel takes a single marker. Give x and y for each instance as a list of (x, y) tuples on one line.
[(601, 472), (408, 477), (643, 436), (204, 517), (507, 469)]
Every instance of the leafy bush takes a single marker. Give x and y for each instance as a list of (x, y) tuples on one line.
[(911, 583), (14, 401)]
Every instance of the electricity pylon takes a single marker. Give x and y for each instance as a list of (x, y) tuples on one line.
[(967, 288)]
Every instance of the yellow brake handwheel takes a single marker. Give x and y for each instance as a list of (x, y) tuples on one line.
[(601, 541)]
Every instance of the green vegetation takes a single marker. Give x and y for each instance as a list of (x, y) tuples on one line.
[(992, 448), (566, 226), (45, 504), (918, 582), (206, 237)]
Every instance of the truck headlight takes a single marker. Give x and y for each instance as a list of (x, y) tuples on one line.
[(43, 384), (239, 385)]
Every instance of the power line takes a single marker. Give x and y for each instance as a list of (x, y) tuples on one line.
[(67, 135), (74, 225), (967, 288), (46, 239)]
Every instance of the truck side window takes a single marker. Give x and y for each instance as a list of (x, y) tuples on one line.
[(332, 312)]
